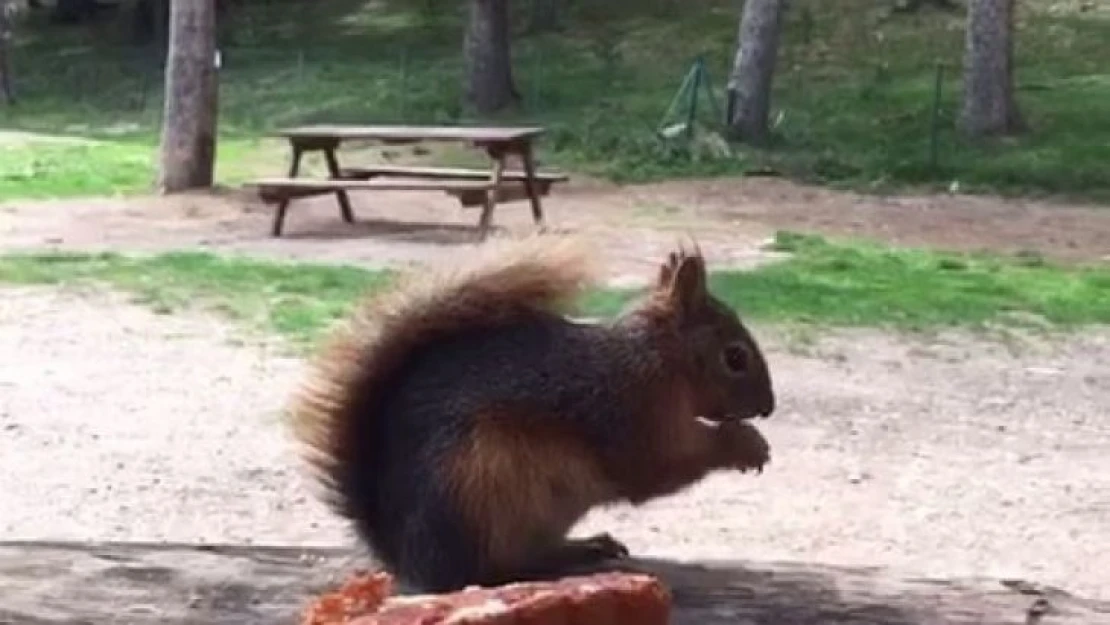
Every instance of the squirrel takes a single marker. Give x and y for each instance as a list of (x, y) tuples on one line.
[(463, 422)]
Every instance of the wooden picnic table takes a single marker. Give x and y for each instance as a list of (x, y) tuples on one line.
[(473, 187)]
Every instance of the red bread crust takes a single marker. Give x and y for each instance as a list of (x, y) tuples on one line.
[(361, 594), (601, 599)]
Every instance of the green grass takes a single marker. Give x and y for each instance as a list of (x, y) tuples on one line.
[(42, 170), (863, 284), (48, 169), (821, 283), (854, 92), (294, 300)]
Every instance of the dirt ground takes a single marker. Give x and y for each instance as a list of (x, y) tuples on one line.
[(944, 455), (634, 226)]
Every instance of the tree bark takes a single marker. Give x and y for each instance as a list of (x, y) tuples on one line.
[(150, 21), (546, 15), (753, 69), (6, 89), (489, 72), (989, 107), (188, 151), (911, 6)]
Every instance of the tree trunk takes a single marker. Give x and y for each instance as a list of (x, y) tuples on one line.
[(150, 20), (546, 16), (989, 107), (189, 123), (6, 89), (753, 69), (911, 6), (489, 70)]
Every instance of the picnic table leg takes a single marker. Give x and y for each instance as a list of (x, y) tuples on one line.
[(530, 183), (491, 196), (279, 215), (341, 196)]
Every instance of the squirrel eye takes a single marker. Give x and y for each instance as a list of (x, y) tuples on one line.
[(735, 358)]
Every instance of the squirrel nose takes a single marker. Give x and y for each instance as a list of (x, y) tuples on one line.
[(768, 407)]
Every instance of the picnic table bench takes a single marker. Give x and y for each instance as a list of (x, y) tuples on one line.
[(472, 187)]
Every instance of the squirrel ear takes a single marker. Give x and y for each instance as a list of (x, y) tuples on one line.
[(666, 271), (688, 283)]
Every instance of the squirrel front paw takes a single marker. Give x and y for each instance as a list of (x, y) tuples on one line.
[(746, 448)]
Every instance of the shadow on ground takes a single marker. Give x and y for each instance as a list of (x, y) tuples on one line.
[(395, 230), (72, 583)]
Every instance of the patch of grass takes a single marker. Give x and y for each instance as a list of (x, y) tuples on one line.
[(863, 284), (49, 169), (852, 96), (821, 283), (295, 300), (41, 170)]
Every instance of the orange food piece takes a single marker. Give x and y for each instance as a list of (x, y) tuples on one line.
[(361, 594), (601, 599)]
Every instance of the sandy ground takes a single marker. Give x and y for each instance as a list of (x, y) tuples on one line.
[(634, 226), (946, 455)]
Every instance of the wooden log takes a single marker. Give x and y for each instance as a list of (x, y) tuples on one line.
[(143, 584)]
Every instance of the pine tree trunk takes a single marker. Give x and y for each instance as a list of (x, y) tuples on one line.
[(753, 69), (910, 6), (150, 19), (7, 92), (989, 107), (489, 72), (188, 152), (546, 15)]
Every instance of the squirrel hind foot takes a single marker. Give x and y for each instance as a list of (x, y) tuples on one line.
[(599, 546), (573, 556), (589, 552)]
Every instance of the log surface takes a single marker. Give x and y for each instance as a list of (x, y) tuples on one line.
[(99, 583)]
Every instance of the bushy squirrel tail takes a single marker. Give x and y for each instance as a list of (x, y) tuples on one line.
[(333, 414)]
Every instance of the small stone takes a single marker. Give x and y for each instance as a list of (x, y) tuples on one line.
[(1043, 370), (858, 476)]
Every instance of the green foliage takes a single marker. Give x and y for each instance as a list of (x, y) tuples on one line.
[(834, 284), (852, 97)]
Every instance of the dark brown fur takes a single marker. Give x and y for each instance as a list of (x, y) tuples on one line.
[(471, 405), (360, 359)]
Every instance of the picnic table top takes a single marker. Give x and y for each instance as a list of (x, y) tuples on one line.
[(494, 134)]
